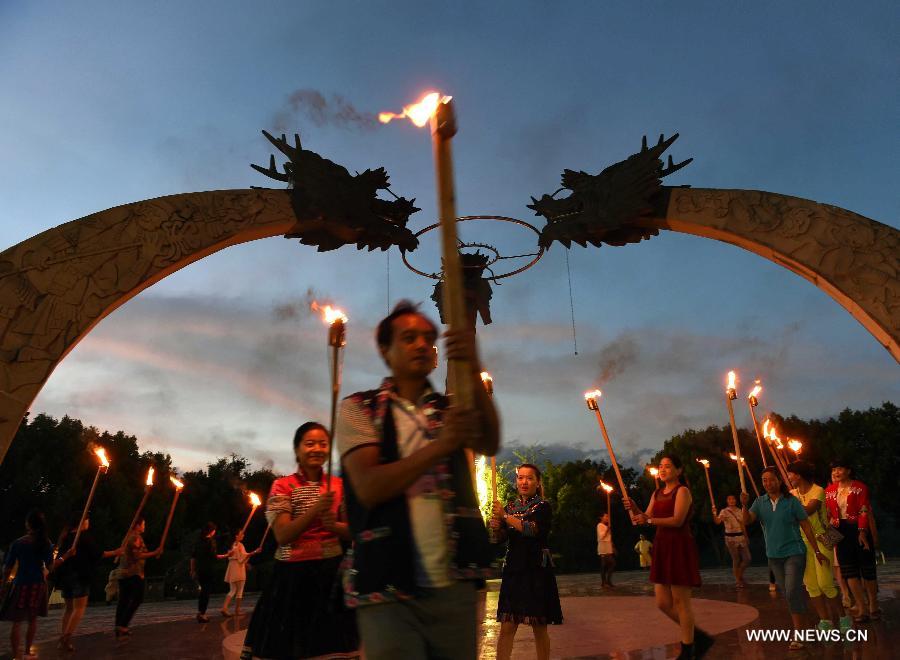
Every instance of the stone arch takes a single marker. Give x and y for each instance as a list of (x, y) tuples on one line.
[(56, 286)]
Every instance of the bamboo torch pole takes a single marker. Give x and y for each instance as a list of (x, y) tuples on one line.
[(712, 500), (102, 468), (731, 395), (489, 388), (443, 128), (591, 399), (753, 401)]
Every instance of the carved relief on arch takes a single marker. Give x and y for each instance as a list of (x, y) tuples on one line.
[(854, 259)]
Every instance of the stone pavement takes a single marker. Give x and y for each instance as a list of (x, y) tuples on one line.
[(619, 623)]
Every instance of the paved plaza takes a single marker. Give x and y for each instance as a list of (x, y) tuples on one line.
[(619, 623)]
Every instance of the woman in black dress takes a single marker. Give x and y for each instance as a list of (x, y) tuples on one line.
[(528, 592)]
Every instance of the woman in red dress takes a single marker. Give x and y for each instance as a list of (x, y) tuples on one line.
[(675, 566)]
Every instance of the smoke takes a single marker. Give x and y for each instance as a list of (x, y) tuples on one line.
[(313, 106), (296, 309), (616, 357)]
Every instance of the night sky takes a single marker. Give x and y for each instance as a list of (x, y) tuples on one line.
[(110, 103)]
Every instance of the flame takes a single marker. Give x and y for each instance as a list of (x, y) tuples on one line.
[(101, 454), (254, 499), (755, 392), (732, 378), (654, 472), (149, 481), (418, 113), (486, 377), (795, 445), (178, 485), (766, 428), (596, 394), (605, 486), (482, 485), (703, 462), (329, 314), (734, 458)]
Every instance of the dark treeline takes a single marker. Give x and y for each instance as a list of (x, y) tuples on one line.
[(870, 438), (49, 467)]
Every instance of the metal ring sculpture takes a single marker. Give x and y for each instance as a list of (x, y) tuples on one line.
[(496, 253)]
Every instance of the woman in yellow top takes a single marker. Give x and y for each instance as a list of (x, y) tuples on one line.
[(643, 547), (818, 577)]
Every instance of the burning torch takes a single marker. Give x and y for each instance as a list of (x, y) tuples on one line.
[(439, 111), (731, 395), (753, 402), (489, 388), (591, 399), (337, 339), (609, 489), (255, 502), (712, 500), (774, 443), (178, 488), (654, 472), (102, 468), (148, 484), (795, 446)]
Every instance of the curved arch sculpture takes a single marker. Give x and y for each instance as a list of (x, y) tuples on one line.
[(56, 286)]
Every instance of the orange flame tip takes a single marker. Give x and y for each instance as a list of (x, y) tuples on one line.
[(756, 390), (486, 377), (418, 113), (254, 499), (149, 481), (606, 487), (703, 462), (795, 446), (178, 485), (596, 394), (329, 314), (654, 472), (101, 454)]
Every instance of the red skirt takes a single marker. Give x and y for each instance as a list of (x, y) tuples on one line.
[(675, 560), (24, 602)]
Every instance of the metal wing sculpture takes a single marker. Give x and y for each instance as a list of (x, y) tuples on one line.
[(335, 208), (603, 207)]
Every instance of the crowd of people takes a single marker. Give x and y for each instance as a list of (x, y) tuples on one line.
[(391, 558)]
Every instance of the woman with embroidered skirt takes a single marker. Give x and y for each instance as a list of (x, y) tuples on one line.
[(675, 568), (300, 612), (528, 592)]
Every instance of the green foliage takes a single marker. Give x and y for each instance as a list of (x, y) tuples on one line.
[(50, 467)]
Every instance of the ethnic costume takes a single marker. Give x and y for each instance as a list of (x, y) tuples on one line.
[(675, 560), (528, 592), (418, 557), (300, 614)]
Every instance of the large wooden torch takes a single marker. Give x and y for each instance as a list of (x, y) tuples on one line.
[(747, 470), (753, 402), (489, 388)]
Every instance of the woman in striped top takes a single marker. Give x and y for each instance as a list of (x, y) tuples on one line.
[(300, 613)]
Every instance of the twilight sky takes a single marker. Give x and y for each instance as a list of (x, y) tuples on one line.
[(110, 103)]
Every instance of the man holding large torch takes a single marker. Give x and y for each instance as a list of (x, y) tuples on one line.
[(410, 496)]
